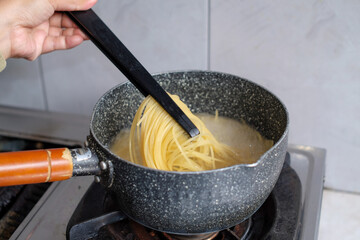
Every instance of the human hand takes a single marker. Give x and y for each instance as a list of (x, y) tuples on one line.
[(29, 28)]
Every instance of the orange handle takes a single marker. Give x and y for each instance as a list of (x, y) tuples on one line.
[(37, 166)]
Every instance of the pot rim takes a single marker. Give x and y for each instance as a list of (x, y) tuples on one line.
[(252, 165)]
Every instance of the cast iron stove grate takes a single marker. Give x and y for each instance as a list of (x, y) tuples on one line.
[(97, 217)]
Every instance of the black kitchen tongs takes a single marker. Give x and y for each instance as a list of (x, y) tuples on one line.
[(123, 59)]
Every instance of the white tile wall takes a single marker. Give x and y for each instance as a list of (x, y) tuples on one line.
[(163, 35), (339, 216), (20, 85), (308, 53)]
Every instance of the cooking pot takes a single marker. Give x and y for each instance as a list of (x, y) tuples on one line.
[(173, 202)]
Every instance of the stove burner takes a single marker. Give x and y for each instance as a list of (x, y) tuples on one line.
[(277, 218), (203, 236), (242, 230), (130, 230)]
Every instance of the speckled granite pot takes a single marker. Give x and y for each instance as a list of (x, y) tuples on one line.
[(194, 202)]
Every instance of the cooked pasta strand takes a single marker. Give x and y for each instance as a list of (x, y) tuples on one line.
[(164, 144)]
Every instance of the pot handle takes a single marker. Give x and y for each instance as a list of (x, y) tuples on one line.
[(48, 165)]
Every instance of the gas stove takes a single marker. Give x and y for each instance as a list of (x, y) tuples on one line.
[(81, 209), (277, 218)]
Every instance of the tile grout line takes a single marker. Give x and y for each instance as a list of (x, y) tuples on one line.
[(208, 27), (42, 78), (342, 191)]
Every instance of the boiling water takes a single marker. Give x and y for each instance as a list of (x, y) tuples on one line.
[(249, 143)]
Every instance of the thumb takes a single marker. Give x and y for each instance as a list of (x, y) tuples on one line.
[(72, 5)]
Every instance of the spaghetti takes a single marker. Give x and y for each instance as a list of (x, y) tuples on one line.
[(157, 141)]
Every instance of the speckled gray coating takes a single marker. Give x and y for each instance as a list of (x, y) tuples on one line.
[(194, 202)]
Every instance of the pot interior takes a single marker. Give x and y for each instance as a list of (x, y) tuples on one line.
[(203, 92)]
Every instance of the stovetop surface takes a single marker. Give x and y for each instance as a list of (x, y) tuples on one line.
[(50, 217)]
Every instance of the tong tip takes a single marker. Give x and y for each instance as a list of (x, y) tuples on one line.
[(194, 132)]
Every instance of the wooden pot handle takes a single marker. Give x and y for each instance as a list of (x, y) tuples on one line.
[(36, 166)]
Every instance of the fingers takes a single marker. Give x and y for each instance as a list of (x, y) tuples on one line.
[(56, 32), (62, 34), (61, 20), (52, 43), (60, 24), (72, 5)]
